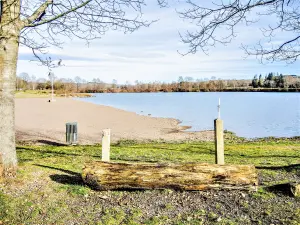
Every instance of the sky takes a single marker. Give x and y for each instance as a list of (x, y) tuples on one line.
[(151, 54)]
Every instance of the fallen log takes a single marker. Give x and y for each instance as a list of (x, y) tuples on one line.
[(186, 176)]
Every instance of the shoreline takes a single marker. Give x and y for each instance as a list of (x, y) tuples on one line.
[(186, 128), (39, 121), (263, 90)]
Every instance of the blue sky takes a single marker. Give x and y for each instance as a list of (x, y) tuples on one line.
[(150, 54)]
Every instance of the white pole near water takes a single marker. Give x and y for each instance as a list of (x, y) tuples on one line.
[(219, 138), (51, 77), (219, 109)]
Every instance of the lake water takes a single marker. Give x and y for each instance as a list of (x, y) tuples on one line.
[(247, 114)]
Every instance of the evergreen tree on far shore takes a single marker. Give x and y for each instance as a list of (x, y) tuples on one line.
[(270, 81), (255, 82), (260, 81)]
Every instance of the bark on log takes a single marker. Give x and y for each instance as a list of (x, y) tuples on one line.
[(186, 176)]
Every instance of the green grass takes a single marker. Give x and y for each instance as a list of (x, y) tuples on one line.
[(263, 153), (48, 186), (47, 94), (33, 94)]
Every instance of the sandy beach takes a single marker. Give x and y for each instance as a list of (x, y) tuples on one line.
[(38, 120)]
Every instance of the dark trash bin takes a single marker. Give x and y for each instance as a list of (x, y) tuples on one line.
[(71, 133)]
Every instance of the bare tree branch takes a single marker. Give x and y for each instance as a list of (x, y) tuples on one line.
[(46, 22), (36, 16), (218, 24), (44, 7)]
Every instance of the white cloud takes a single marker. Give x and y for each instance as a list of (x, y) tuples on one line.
[(151, 54)]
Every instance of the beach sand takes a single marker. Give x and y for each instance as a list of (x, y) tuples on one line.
[(40, 121)]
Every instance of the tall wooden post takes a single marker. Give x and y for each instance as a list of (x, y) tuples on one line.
[(219, 137), (219, 141), (106, 145)]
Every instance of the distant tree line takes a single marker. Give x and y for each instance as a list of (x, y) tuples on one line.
[(270, 82), (276, 81)]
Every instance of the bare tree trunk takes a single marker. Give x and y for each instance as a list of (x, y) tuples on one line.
[(10, 27), (8, 65)]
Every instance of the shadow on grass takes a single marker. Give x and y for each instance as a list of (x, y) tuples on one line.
[(286, 168), (72, 178), (67, 179), (53, 143), (283, 189), (186, 149), (260, 156), (49, 152), (126, 160), (59, 169), (273, 156)]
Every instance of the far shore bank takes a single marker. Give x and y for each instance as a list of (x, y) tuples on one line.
[(38, 120), (287, 90), (87, 94)]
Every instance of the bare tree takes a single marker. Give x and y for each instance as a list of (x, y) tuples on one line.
[(69, 85), (25, 79), (41, 83), (78, 81), (39, 24), (33, 81), (224, 17), (114, 83)]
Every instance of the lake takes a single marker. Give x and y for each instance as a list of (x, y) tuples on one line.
[(247, 114)]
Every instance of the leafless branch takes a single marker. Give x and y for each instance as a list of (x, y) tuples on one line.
[(44, 23), (218, 24)]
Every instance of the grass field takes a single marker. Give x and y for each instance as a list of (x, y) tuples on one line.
[(47, 94), (49, 190), (33, 94)]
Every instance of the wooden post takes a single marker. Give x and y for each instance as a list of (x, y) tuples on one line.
[(219, 141), (106, 145)]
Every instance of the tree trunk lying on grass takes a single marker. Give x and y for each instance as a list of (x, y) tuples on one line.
[(186, 176)]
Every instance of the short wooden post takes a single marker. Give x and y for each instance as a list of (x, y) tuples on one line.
[(219, 141), (106, 145)]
